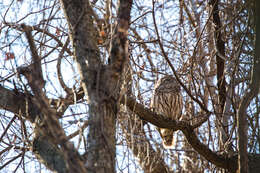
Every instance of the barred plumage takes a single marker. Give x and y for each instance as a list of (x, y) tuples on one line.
[(167, 100)]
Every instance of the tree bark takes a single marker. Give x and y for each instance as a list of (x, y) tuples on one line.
[(101, 138), (102, 93), (247, 98)]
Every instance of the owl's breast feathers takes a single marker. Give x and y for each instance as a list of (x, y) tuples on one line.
[(167, 100)]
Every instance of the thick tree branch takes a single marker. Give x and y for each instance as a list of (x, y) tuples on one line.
[(18, 102), (47, 125), (79, 15), (188, 130), (220, 48), (247, 98), (223, 161), (94, 76), (52, 157), (33, 73), (119, 49)]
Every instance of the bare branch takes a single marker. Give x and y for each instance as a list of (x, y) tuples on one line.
[(160, 121), (247, 98)]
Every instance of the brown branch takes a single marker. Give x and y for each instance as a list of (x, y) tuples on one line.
[(79, 15), (18, 102), (48, 125), (9, 161), (188, 130), (119, 49), (220, 47), (7, 127), (247, 98), (33, 73), (62, 83), (49, 154), (36, 28), (191, 19), (145, 47), (72, 135)]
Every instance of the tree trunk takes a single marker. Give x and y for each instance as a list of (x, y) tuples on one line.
[(101, 138), (102, 93)]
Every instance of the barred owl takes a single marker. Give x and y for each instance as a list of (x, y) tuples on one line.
[(167, 100)]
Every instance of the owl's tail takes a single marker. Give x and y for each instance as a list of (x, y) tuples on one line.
[(168, 142), (167, 137)]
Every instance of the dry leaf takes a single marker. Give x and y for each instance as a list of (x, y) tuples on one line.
[(9, 55)]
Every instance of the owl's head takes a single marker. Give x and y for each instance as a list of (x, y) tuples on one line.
[(167, 84)]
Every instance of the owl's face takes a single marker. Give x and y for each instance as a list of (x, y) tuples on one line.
[(168, 84)]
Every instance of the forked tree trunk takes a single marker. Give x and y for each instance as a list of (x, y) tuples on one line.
[(101, 83)]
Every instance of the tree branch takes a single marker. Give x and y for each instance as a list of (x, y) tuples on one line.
[(247, 98), (119, 49), (79, 15), (188, 130), (33, 73), (18, 102), (220, 48)]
